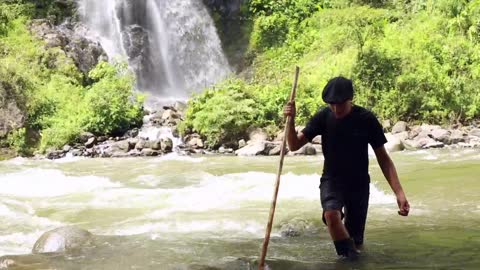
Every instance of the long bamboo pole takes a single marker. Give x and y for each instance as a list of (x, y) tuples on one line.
[(277, 182)]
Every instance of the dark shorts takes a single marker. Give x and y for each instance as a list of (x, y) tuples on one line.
[(352, 202)]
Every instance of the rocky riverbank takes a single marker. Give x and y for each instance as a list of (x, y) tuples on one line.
[(159, 136)]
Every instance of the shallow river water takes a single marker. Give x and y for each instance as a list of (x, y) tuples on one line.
[(210, 212)]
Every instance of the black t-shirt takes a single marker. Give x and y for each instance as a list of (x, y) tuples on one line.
[(345, 143)]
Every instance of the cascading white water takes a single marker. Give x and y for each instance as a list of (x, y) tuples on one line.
[(172, 45)]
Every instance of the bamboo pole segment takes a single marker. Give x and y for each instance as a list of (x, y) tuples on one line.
[(266, 240)]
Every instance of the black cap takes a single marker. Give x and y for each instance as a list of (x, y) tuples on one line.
[(338, 90)]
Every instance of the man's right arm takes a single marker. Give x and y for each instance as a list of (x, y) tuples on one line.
[(294, 140)]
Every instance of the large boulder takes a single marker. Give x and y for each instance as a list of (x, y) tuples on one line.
[(63, 239), (194, 141), (441, 135), (295, 227), (166, 145), (252, 149), (422, 143), (72, 39), (400, 126), (394, 143), (457, 136), (307, 150), (475, 132), (135, 42)]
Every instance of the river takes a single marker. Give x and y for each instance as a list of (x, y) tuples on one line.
[(210, 212)]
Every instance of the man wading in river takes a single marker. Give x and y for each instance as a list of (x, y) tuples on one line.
[(346, 131)]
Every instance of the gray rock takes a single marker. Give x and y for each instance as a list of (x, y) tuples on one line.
[(393, 144), (136, 44), (295, 227), (429, 128), (66, 148), (401, 136), (120, 146), (85, 53), (414, 131), (223, 150), (91, 142), (194, 141), (318, 148), (400, 126), (64, 239), (156, 145), (140, 145), (132, 133), (424, 134), (169, 116), (307, 150), (474, 142), (252, 149), (317, 140), (72, 39), (166, 145), (276, 150), (77, 152), (457, 136), (85, 136), (422, 143), (147, 152), (475, 132), (54, 154), (132, 142), (101, 139), (180, 106), (441, 135), (428, 142), (241, 143)]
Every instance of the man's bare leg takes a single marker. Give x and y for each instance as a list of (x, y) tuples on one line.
[(335, 225), (344, 245)]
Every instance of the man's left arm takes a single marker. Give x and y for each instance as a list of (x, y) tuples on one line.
[(390, 173)]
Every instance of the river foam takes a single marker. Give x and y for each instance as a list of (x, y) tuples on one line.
[(49, 183)]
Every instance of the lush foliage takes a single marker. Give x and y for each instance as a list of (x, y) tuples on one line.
[(409, 60), (108, 106), (221, 115), (51, 91)]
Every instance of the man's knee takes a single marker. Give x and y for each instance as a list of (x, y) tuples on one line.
[(332, 217)]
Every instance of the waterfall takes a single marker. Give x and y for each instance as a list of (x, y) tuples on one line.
[(172, 46)]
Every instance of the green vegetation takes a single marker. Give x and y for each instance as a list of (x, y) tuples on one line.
[(415, 60), (47, 86), (222, 115)]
